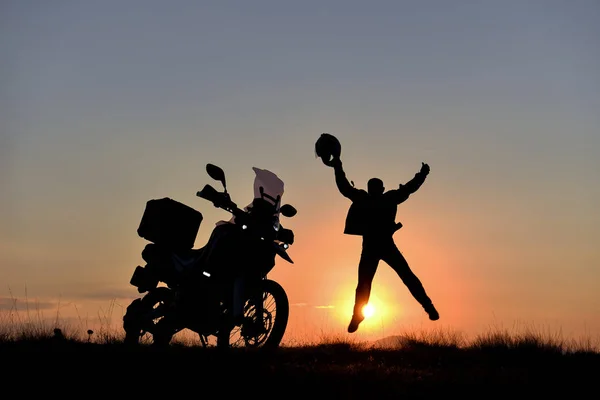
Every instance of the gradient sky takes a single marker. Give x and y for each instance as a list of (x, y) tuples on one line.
[(107, 104)]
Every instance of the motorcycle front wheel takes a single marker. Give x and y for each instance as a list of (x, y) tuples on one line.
[(264, 323), (146, 322)]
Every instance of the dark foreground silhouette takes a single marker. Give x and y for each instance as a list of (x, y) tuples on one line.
[(372, 215), (67, 369), (218, 290)]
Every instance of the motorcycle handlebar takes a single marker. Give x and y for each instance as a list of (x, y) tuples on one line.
[(209, 193), (218, 199), (222, 200)]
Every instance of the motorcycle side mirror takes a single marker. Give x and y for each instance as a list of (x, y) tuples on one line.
[(217, 174), (287, 210)]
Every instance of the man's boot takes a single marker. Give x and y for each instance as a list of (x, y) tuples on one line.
[(354, 322), (432, 312)]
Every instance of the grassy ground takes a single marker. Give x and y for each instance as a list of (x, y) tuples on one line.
[(497, 365)]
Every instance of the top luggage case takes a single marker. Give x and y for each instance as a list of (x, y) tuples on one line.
[(170, 223)]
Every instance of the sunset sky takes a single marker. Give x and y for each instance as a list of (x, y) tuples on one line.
[(107, 104)]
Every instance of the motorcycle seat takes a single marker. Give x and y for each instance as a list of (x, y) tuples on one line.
[(184, 259)]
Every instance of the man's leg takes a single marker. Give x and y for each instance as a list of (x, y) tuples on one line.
[(396, 260), (366, 272)]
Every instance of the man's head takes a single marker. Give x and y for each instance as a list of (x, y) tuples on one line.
[(375, 186)]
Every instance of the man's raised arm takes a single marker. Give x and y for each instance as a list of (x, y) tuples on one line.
[(403, 191), (345, 188)]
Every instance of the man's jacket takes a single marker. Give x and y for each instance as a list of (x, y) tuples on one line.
[(370, 215)]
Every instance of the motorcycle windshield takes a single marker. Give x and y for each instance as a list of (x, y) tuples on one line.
[(271, 185)]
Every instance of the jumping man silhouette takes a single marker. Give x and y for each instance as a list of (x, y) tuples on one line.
[(372, 215)]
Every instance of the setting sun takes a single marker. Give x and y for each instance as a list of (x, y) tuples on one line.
[(368, 310)]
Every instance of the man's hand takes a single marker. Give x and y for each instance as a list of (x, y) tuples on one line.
[(334, 162), (424, 168)]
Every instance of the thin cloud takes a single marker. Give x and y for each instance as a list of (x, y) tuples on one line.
[(106, 293), (15, 304), (309, 305)]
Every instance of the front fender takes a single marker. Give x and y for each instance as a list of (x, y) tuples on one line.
[(280, 250)]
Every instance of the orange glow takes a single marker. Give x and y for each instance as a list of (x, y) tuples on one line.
[(380, 309), (368, 310), (324, 277)]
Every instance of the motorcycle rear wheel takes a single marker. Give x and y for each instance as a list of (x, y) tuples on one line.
[(265, 332), (145, 320)]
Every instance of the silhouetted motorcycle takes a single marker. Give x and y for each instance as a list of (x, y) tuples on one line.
[(221, 289)]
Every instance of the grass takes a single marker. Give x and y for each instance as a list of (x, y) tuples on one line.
[(415, 364)]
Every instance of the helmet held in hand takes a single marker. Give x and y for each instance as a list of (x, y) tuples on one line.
[(328, 148)]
